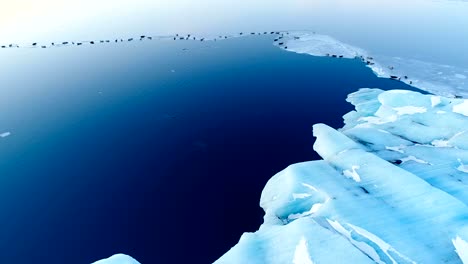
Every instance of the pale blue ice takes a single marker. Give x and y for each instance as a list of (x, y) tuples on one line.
[(391, 188)]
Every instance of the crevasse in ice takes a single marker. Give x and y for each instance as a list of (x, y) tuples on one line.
[(391, 188)]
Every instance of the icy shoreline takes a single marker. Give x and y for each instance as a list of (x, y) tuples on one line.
[(395, 144), (438, 79), (435, 78), (391, 188)]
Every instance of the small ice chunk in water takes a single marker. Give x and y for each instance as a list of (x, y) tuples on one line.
[(5, 134), (117, 259)]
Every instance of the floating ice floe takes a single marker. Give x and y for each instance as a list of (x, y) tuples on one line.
[(439, 79), (117, 259), (5, 134), (318, 45), (383, 193)]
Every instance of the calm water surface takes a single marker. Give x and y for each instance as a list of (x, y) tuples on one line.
[(160, 149)]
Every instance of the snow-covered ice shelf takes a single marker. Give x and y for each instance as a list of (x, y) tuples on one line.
[(392, 188), (439, 79)]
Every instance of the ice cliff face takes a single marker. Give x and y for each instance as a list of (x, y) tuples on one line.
[(391, 188)]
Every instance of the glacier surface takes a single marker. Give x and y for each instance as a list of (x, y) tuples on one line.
[(436, 78), (391, 188)]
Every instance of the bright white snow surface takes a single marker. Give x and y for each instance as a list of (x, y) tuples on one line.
[(436, 78), (408, 206)]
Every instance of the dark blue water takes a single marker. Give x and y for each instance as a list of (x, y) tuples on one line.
[(151, 150)]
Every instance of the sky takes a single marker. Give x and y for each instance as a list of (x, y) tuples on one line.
[(421, 29)]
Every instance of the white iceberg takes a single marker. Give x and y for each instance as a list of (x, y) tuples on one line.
[(383, 193), (117, 259)]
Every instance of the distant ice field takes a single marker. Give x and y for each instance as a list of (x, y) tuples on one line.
[(440, 79), (436, 78)]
